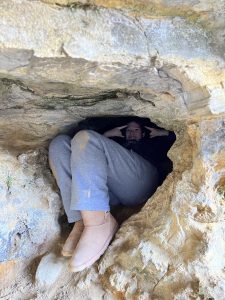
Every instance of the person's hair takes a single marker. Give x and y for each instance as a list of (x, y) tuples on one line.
[(139, 121)]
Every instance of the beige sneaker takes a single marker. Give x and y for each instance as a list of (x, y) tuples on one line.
[(93, 243), (73, 239)]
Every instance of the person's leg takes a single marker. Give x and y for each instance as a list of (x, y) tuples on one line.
[(88, 173), (99, 229), (133, 179), (97, 165), (59, 161), (101, 167)]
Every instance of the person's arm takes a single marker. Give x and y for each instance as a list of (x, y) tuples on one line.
[(168, 138), (115, 132), (154, 132)]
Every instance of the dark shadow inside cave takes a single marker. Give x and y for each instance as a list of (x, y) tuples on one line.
[(103, 124)]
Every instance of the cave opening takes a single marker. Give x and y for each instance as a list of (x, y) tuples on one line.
[(160, 146)]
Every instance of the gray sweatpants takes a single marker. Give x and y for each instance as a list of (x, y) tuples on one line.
[(94, 172)]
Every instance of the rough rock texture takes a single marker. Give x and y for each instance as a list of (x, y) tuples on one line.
[(61, 61), (29, 206), (49, 269), (180, 254)]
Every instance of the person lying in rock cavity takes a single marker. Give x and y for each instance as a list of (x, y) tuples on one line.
[(93, 172)]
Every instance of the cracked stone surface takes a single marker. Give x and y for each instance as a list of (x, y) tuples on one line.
[(30, 207), (62, 61)]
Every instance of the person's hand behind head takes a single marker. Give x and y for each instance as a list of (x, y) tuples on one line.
[(115, 132), (154, 132)]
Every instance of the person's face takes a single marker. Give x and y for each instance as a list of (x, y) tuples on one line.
[(133, 131)]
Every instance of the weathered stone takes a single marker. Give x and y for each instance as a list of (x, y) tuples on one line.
[(29, 208), (49, 270), (67, 67), (63, 60), (8, 272), (179, 251)]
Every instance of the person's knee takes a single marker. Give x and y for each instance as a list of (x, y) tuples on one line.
[(83, 137), (58, 143)]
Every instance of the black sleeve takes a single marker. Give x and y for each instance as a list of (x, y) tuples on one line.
[(170, 139), (162, 145)]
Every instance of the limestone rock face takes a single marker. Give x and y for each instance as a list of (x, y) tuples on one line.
[(49, 270), (62, 61), (163, 59), (29, 206), (180, 251)]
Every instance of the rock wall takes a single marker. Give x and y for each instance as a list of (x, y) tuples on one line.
[(30, 206), (61, 61), (180, 254)]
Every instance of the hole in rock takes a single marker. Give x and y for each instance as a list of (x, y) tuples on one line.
[(220, 187), (152, 145)]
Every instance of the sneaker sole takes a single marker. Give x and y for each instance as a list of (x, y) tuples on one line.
[(97, 256)]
